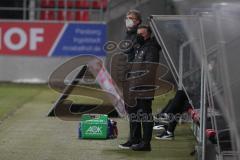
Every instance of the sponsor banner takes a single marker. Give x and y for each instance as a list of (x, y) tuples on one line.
[(51, 39)]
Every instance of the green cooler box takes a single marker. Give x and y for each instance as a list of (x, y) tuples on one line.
[(94, 126)]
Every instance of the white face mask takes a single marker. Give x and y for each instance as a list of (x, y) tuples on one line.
[(129, 23)]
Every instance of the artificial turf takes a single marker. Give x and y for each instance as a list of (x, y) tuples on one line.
[(27, 133)]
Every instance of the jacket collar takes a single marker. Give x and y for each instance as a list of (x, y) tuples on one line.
[(132, 31)]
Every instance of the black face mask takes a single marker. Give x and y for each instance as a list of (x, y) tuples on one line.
[(140, 39)]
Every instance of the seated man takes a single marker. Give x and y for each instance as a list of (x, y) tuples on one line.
[(166, 120)]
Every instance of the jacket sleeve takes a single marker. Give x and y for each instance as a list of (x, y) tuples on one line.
[(130, 54), (130, 51)]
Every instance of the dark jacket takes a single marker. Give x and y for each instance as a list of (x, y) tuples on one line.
[(144, 55), (148, 52), (131, 36)]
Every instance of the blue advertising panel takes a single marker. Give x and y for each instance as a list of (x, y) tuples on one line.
[(80, 38)]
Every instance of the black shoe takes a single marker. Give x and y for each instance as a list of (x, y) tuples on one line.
[(142, 147), (126, 145), (165, 136)]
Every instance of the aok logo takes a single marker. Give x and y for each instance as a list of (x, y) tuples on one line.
[(94, 130), (17, 38)]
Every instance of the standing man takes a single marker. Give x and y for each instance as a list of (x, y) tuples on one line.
[(132, 21), (140, 115)]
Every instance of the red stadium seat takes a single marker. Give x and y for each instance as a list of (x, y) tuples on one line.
[(82, 15), (210, 133), (82, 4), (47, 3), (194, 115), (43, 15), (63, 15), (96, 4), (47, 15), (43, 3), (99, 4), (60, 15), (61, 3), (70, 4), (70, 15), (78, 16), (85, 16)]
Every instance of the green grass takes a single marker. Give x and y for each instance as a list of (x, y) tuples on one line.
[(161, 101), (13, 96), (28, 130)]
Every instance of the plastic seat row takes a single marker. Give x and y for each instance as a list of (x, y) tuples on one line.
[(95, 4), (65, 15)]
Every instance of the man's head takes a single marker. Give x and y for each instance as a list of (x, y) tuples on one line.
[(133, 19), (144, 31)]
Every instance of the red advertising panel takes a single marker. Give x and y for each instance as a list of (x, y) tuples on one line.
[(51, 39), (28, 39)]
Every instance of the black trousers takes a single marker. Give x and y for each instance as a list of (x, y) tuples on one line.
[(177, 105), (141, 119)]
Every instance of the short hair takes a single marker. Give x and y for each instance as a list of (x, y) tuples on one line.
[(147, 27), (136, 13)]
